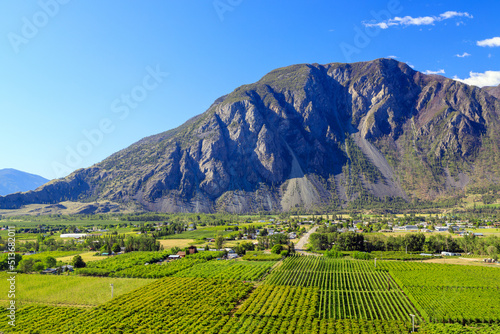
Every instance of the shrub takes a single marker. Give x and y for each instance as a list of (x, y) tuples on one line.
[(277, 249), (334, 253), (361, 256)]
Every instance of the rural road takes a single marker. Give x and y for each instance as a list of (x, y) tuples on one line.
[(299, 247)]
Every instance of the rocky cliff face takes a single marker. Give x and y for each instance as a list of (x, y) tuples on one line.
[(495, 91), (310, 136)]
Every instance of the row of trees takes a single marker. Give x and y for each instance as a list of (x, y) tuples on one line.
[(92, 243), (411, 242), (29, 264)]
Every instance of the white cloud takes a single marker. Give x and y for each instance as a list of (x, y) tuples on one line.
[(463, 55), (491, 42), (450, 14), (392, 57), (416, 21), (488, 78), (434, 72)]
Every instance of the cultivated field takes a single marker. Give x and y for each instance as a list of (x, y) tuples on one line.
[(68, 290), (300, 294)]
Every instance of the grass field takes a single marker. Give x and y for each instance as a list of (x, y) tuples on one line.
[(486, 231), (181, 243), (203, 232), (86, 257), (55, 254), (67, 290)]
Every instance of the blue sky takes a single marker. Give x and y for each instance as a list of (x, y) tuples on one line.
[(80, 80)]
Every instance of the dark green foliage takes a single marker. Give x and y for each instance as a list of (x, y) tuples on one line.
[(348, 241), (277, 249), (50, 262), (116, 248), (361, 256), (334, 253), (78, 262), (10, 264)]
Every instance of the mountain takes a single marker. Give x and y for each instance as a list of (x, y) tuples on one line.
[(495, 91), (306, 136), (12, 181)]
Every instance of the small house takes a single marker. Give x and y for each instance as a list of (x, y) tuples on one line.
[(67, 267), (450, 254), (49, 271), (181, 254)]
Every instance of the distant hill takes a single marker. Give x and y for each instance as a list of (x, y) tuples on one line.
[(13, 181), (309, 136)]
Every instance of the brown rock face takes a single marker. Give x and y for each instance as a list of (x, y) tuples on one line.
[(307, 136)]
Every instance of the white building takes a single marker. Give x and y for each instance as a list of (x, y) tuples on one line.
[(74, 235)]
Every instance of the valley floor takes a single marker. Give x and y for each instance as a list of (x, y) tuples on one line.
[(304, 294)]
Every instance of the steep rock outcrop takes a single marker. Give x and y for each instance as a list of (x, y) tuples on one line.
[(308, 136)]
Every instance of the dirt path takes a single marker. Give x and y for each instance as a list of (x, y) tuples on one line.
[(299, 247)]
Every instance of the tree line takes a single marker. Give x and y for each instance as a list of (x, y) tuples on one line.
[(411, 242)]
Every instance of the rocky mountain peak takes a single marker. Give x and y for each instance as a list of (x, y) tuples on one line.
[(306, 136)]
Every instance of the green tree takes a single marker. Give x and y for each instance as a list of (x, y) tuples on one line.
[(334, 253), (50, 262), (219, 241), (26, 265), (78, 262), (414, 242), (116, 248), (277, 249), (284, 253), (6, 264), (493, 252), (38, 266)]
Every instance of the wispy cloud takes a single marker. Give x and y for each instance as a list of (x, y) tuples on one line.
[(434, 72), (463, 55), (488, 78), (491, 42), (416, 21), (392, 57)]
